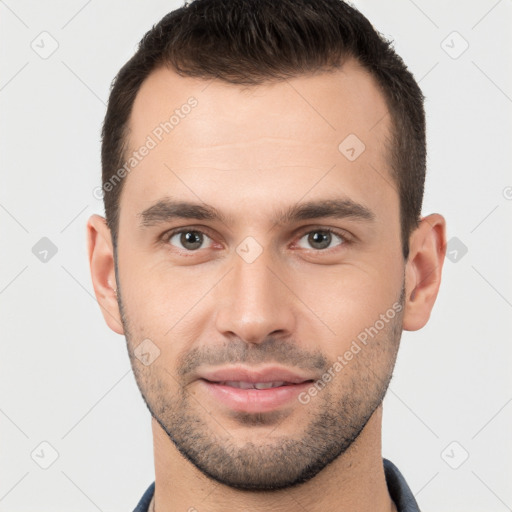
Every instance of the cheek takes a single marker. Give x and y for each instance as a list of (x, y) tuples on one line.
[(348, 298), (153, 292), (165, 304)]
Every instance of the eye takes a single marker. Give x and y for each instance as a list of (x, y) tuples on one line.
[(321, 239), (190, 239)]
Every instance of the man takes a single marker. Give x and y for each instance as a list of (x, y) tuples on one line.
[(263, 249)]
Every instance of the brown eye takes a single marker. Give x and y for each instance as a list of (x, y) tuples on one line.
[(189, 240), (321, 239)]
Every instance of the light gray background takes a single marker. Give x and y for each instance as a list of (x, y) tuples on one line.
[(66, 378)]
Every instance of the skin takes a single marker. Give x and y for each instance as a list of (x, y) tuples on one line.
[(252, 152)]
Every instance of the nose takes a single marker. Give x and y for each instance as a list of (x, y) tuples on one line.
[(254, 301)]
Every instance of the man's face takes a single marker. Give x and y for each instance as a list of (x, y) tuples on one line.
[(255, 294)]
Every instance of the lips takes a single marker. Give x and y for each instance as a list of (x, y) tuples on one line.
[(271, 374), (254, 385), (254, 389)]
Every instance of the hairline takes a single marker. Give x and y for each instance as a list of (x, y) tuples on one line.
[(390, 143)]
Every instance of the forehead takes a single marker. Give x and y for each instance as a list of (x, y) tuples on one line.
[(259, 141)]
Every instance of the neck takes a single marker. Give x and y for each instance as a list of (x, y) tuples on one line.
[(354, 481)]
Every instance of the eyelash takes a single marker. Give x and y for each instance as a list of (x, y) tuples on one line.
[(345, 237)]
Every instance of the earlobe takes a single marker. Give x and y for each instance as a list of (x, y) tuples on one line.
[(423, 270), (101, 261)]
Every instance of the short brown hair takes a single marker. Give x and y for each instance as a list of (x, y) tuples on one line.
[(251, 42)]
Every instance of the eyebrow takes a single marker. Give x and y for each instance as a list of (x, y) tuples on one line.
[(168, 209)]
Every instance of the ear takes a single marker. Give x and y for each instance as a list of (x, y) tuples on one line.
[(423, 270), (101, 261)]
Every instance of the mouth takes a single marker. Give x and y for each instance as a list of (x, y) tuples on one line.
[(251, 376), (254, 385), (254, 390)]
